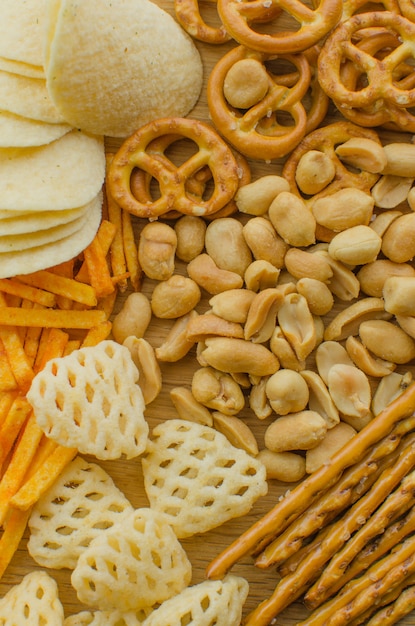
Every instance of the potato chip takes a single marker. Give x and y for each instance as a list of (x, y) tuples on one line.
[(34, 601), (48, 255), (64, 174), (21, 30), (218, 602), (22, 132), (24, 69), (27, 97), (90, 400), (112, 67), (197, 478), (82, 503), (17, 223), (137, 563)]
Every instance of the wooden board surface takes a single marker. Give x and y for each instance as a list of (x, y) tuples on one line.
[(127, 474)]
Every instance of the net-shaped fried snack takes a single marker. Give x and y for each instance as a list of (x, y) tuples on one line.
[(136, 564), (197, 478), (81, 504), (107, 618), (34, 602), (217, 602), (90, 400)]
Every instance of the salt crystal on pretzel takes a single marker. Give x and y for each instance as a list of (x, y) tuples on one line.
[(83, 503), (137, 563), (216, 602), (34, 601), (197, 478), (90, 400)]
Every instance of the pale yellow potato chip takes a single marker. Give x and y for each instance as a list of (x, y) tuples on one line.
[(17, 67), (35, 600), (63, 174), (21, 132), (27, 97), (22, 30), (21, 223), (42, 257), (112, 67), (41, 237)]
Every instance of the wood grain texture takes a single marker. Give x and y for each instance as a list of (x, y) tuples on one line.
[(127, 474)]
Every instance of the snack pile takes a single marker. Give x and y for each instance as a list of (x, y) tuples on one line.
[(214, 310)]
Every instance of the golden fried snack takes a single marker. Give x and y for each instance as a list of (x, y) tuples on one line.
[(172, 179), (188, 15), (245, 100), (313, 23), (380, 85), (392, 613)]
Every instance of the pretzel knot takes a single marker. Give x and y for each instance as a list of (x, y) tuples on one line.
[(172, 179), (188, 15), (380, 86), (247, 101), (313, 23)]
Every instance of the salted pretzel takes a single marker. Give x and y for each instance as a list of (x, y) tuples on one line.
[(314, 23), (388, 114), (255, 130), (141, 181), (173, 179), (326, 139), (380, 86)]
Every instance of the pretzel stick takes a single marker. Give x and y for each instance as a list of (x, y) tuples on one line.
[(404, 604), (293, 585), (353, 483), (402, 555), (278, 518), (392, 507)]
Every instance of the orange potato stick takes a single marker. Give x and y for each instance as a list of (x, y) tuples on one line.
[(30, 492), (107, 304), (105, 236), (98, 271), (62, 286), (7, 379), (17, 288), (49, 318), (6, 401), (20, 461), (13, 532), (73, 344), (16, 417), (64, 269), (55, 347), (117, 252), (97, 334), (130, 252), (43, 342), (18, 361)]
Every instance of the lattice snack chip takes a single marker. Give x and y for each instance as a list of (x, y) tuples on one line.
[(82, 503), (107, 618), (218, 602), (136, 564), (197, 478), (90, 400), (34, 601)]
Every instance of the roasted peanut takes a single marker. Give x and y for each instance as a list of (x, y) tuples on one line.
[(319, 297), (217, 390), (209, 324), (398, 242), (382, 221), (287, 392), (399, 295), (343, 209), (226, 245), (390, 191), (190, 232), (319, 398), (315, 170), (304, 264), (264, 242), (297, 324), (133, 318), (284, 351), (292, 219), (258, 400), (297, 431), (365, 361), (156, 250), (350, 390), (348, 320), (150, 378), (287, 467), (363, 154), (372, 276), (204, 271), (330, 353), (343, 282), (233, 305), (335, 439), (255, 198), (236, 431), (389, 388), (176, 345), (175, 297), (260, 275), (400, 159), (246, 83), (238, 355), (188, 408), (356, 245), (261, 320), (387, 341)]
